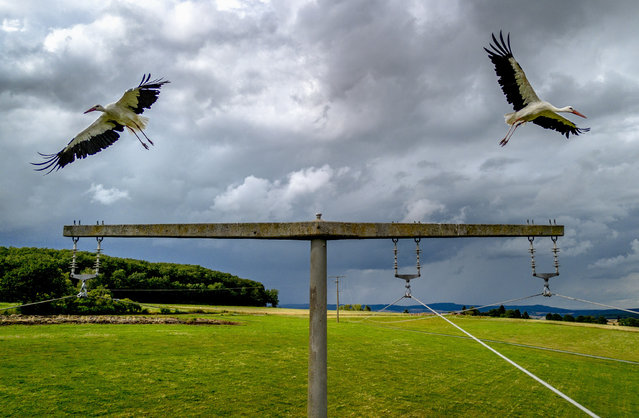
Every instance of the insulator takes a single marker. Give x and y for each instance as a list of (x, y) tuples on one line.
[(395, 253), (75, 250), (555, 251), (97, 255), (418, 251)]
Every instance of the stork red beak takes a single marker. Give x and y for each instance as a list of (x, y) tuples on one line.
[(93, 108), (579, 114)]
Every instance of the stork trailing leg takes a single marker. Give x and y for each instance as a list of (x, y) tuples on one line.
[(143, 133), (147, 138), (511, 131), (138, 137)]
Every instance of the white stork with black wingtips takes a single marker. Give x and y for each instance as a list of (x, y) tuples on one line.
[(528, 107), (104, 131)]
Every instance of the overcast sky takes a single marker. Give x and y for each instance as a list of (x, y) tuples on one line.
[(363, 110)]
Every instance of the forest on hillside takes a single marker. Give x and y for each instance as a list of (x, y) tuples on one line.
[(36, 274)]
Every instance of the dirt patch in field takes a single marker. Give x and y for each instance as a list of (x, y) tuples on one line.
[(106, 319)]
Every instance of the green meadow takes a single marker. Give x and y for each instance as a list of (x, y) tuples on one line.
[(394, 365)]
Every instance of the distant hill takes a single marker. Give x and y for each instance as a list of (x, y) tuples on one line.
[(533, 310)]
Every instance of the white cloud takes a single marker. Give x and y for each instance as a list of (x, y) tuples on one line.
[(307, 181), (577, 248), (422, 209), (258, 198), (12, 25), (252, 190), (184, 20), (630, 257), (94, 41), (106, 196)]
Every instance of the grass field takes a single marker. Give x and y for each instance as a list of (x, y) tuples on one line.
[(384, 366)]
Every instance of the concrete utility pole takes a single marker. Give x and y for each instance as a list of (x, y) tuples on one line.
[(318, 232), (337, 289)]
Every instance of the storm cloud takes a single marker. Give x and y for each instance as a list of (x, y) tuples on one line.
[(361, 110)]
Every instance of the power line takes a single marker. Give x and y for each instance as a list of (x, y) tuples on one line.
[(555, 350), (451, 312), (493, 304), (547, 385), (595, 303), (39, 302), (133, 302)]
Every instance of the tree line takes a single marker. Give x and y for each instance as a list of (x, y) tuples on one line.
[(500, 312), (355, 307), (36, 274), (590, 319), (581, 318), (628, 322)]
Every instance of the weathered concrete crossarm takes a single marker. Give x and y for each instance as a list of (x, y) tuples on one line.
[(311, 230)]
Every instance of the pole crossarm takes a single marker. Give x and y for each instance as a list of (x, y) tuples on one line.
[(312, 230)]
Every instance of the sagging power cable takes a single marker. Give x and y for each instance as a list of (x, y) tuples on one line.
[(39, 302), (544, 383), (595, 303)]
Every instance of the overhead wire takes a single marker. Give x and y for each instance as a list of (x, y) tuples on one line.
[(37, 303), (595, 303), (447, 313), (375, 313), (539, 380), (555, 350), (492, 304), (132, 302)]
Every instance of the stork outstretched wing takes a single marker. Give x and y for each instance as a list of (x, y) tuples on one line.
[(552, 120), (99, 135), (143, 96), (511, 77)]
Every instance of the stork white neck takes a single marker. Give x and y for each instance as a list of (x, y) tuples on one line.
[(569, 109), (96, 107)]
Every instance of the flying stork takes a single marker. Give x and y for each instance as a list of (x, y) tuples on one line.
[(528, 107), (104, 131)]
